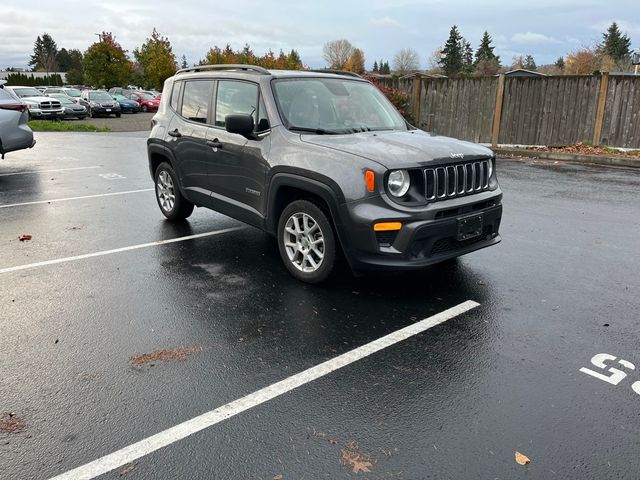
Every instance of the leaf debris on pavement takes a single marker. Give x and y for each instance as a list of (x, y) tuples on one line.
[(179, 354), (10, 423), (358, 462), (25, 237), (522, 459)]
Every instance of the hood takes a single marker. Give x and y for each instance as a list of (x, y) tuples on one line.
[(39, 99), (401, 149)]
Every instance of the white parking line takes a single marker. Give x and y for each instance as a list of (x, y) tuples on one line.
[(46, 171), (116, 250), (167, 437), (54, 200)]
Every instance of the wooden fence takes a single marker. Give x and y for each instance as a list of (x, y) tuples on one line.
[(558, 110)]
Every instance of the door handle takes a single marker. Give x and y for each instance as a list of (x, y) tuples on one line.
[(214, 143), (174, 133)]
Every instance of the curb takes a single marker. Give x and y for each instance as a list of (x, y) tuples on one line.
[(568, 157)]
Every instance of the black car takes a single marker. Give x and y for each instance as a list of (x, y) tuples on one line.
[(101, 103), (323, 162)]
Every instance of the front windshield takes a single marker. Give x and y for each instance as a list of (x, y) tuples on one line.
[(145, 96), (27, 92), (119, 97), (72, 92), (100, 96), (335, 105), (63, 99)]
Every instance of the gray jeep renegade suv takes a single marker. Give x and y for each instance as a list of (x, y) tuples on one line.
[(322, 161)]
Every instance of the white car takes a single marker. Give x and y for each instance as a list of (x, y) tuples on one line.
[(39, 105), (15, 134)]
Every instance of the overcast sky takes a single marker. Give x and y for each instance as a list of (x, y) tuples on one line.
[(546, 29)]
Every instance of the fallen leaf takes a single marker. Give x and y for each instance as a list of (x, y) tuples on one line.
[(9, 423), (522, 459), (25, 237), (357, 462), (277, 477), (127, 469)]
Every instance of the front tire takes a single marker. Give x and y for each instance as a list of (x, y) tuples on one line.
[(171, 202), (306, 242), (118, 115)]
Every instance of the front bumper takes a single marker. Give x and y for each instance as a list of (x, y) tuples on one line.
[(427, 237), (105, 110), (46, 114)]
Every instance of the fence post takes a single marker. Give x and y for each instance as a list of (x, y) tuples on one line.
[(417, 93), (602, 103), (497, 115)]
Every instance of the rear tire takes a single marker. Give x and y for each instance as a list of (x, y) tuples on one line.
[(118, 115), (306, 242), (171, 202)]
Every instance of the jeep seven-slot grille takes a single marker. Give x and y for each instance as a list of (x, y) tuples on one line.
[(457, 180)]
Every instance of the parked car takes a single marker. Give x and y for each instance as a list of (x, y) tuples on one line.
[(39, 105), (323, 162), (126, 105), (15, 133), (147, 102), (120, 91), (101, 103), (71, 109), (73, 93)]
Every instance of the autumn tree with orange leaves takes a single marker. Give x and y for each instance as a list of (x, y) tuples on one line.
[(156, 60)]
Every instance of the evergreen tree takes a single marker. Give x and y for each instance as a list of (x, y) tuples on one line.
[(44, 55), (615, 44), (485, 50), (560, 63), (452, 60), (375, 67), (183, 62), (529, 63), (467, 57), (387, 69)]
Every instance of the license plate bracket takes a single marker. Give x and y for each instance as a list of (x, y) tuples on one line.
[(470, 227)]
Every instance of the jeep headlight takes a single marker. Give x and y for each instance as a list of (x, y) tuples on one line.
[(398, 183)]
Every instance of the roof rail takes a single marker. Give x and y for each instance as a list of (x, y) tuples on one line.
[(203, 68), (336, 72)]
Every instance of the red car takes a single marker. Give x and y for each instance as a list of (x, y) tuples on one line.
[(146, 101)]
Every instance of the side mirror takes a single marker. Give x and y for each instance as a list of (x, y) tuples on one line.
[(241, 124)]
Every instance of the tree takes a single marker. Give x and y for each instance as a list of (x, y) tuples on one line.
[(156, 59), (452, 59), (582, 62), (70, 61), (375, 67), (106, 64), (183, 62), (386, 70), (44, 54), (487, 68), (529, 63), (615, 44), (467, 58), (337, 52), (433, 62), (406, 61), (294, 62), (355, 62), (560, 63), (517, 62), (485, 50)]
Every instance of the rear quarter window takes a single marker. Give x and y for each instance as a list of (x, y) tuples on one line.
[(175, 95), (195, 100)]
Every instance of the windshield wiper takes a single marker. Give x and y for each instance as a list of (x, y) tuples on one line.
[(317, 131)]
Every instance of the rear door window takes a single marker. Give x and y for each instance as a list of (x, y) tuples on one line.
[(195, 100)]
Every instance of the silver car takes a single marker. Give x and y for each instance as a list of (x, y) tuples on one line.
[(15, 134)]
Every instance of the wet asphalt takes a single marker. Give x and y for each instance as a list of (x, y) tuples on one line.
[(454, 402)]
